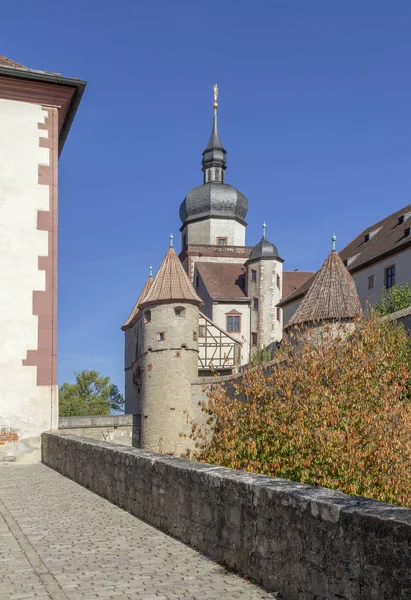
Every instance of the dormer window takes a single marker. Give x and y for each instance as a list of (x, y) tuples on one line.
[(401, 219), (366, 237), (407, 231)]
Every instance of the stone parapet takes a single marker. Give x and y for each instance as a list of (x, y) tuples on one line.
[(306, 542)]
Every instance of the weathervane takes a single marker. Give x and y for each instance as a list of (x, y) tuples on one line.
[(215, 88)]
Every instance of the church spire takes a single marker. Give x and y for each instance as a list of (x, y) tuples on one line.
[(214, 158)]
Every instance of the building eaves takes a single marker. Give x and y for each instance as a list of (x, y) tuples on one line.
[(79, 85)]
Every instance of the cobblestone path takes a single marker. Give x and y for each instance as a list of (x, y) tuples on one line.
[(60, 541)]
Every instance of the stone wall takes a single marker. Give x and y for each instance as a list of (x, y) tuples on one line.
[(119, 429), (307, 543)]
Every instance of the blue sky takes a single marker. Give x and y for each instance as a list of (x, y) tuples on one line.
[(315, 103)]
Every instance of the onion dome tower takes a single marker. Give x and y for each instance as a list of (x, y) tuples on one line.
[(332, 298), (169, 362), (264, 285), (214, 213)]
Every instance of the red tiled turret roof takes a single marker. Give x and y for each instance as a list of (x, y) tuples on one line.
[(171, 283), (136, 311), (332, 295)]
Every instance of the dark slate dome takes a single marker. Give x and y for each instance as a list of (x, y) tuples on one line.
[(214, 199), (264, 250)]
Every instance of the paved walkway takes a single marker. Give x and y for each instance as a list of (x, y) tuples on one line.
[(60, 541)]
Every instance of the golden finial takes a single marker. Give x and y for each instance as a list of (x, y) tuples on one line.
[(215, 88)]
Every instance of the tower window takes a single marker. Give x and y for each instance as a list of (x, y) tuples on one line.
[(184, 240), (208, 175), (255, 303), (253, 275), (278, 282), (278, 314), (221, 241), (390, 277), (254, 338), (179, 311), (161, 336), (195, 336), (233, 323), (216, 174), (147, 316), (371, 282)]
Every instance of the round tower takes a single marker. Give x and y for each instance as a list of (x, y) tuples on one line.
[(264, 286), (169, 362)]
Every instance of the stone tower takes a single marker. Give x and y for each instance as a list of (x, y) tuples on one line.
[(264, 276), (169, 356), (331, 305)]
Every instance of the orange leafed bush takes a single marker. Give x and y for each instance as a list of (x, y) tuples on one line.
[(336, 414)]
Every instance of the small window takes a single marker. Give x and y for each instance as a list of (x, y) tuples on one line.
[(390, 277), (179, 311), (184, 240), (254, 338), (208, 175), (278, 314), (221, 241), (371, 282), (216, 174), (279, 282), (367, 237), (161, 336), (407, 231), (233, 323), (147, 316), (195, 336), (255, 303), (253, 275), (202, 331)]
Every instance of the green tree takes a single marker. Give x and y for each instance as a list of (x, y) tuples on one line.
[(92, 394), (397, 298)]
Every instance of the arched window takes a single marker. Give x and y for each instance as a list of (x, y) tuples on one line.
[(216, 174)]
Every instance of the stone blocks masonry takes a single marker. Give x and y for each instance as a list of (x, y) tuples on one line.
[(307, 543)]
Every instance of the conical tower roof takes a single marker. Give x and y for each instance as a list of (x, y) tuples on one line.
[(136, 311), (171, 284), (331, 297)]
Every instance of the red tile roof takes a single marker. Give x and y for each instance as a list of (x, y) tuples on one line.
[(136, 311), (292, 280), (7, 62), (171, 283), (223, 280), (385, 238), (332, 295)]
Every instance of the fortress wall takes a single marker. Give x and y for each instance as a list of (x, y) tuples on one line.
[(308, 543), (118, 429)]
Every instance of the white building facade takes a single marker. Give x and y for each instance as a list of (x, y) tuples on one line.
[(35, 111)]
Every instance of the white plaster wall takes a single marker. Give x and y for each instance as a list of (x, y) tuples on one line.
[(219, 317), (270, 295), (402, 262), (24, 407), (208, 230)]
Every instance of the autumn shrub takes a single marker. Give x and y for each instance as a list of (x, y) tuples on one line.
[(335, 414)]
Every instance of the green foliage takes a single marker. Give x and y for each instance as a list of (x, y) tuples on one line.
[(91, 395), (397, 298), (261, 356)]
